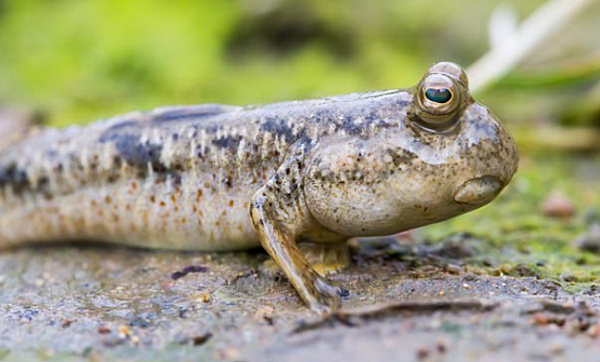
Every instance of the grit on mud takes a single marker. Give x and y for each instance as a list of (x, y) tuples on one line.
[(512, 289)]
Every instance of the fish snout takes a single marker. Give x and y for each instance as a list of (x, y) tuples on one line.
[(478, 190)]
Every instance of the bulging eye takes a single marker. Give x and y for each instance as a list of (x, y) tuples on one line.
[(438, 95), (437, 102)]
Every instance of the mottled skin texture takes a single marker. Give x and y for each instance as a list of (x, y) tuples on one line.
[(216, 177)]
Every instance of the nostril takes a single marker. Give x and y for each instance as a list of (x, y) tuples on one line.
[(478, 190)]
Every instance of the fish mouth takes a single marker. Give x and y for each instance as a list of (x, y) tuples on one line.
[(478, 190)]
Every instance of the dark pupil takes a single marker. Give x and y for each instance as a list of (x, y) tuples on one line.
[(442, 95)]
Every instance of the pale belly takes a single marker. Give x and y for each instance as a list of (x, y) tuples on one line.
[(190, 213)]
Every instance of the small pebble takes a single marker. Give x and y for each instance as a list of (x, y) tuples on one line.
[(124, 331), (228, 354), (453, 269), (422, 353), (201, 339), (442, 346), (594, 331), (590, 240), (558, 205), (203, 296), (266, 314)]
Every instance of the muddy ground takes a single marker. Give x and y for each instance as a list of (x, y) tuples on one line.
[(507, 283), (97, 304)]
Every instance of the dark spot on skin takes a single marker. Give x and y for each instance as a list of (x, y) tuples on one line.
[(139, 155), (278, 126), (401, 157), (350, 127), (15, 177), (191, 112), (174, 177), (94, 163), (43, 182), (133, 151), (117, 161), (123, 124), (230, 142)]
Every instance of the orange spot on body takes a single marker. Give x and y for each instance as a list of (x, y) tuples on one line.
[(231, 202)]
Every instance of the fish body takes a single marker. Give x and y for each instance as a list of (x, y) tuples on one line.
[(218, 177)]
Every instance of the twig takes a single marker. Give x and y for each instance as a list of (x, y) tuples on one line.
[(352, 316), (558, 138), (542, 24)]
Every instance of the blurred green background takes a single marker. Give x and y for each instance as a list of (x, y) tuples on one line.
[(76, 61)]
